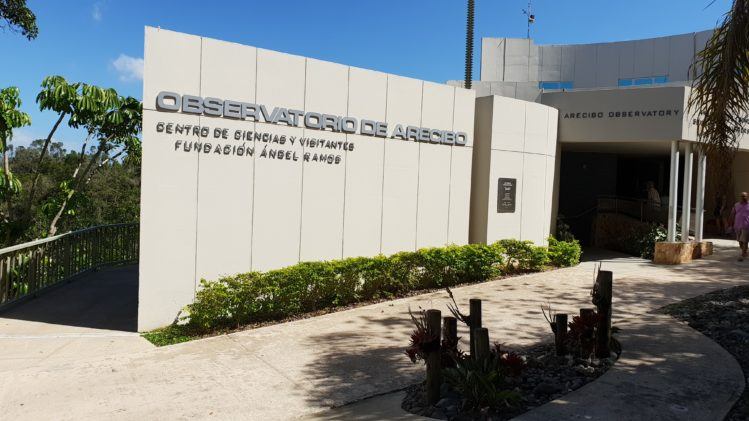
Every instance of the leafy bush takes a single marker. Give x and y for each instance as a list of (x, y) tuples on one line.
[(564, 253), (523, 256), (642, 242), (234, 301), (481, 383)]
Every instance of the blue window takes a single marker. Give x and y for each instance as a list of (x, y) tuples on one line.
[(643, 81), (625, 82), (554, 86)]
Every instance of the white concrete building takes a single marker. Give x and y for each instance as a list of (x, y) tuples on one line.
[(256, 160)]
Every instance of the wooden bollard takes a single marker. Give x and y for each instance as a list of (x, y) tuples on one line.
[(603, 334), (560, 334), (450, 330), (474, 315), (481, 336), (434, 360)]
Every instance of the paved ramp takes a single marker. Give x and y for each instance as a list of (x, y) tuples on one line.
[(94, 315)]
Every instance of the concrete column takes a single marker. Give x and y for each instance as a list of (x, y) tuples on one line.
[(673, 191), (686, 203), (699, 223)]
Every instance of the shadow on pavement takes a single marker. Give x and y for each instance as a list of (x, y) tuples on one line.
[(104, 299)]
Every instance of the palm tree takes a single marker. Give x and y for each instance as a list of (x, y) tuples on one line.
[(720, 96)]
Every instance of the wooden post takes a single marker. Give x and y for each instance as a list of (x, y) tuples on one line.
[(560, 334), (450, 326), (603, 334), (434, 360), (481, 336), (474, 306)]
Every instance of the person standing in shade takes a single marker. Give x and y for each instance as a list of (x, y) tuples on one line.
[(740, 218), (654, 198)]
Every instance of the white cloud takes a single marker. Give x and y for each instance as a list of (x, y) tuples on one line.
[(129, 68), (96, 11)]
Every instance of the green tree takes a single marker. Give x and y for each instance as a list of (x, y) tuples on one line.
[(10, 118), (720, 96), (15, 15)]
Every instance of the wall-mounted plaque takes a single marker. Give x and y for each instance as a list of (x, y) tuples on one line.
[(506, 195)]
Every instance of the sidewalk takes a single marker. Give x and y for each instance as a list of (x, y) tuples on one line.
[(302, 368)]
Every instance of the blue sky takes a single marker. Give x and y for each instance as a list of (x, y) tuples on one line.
[(101, 41)]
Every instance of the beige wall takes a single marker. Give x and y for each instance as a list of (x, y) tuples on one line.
[(513, 139), (204, 215)]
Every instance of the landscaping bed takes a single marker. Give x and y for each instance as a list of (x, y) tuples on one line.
[(723, 316), (545, 377), (311, 288)]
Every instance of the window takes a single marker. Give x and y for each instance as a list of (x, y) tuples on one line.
[(554, 86), (643, 81)]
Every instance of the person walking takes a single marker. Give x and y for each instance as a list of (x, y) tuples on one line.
[(740, 218)]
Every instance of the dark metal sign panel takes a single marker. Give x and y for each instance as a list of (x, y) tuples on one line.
[(506, 195)]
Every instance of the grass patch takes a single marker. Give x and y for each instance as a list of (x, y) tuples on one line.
[(169, 335)]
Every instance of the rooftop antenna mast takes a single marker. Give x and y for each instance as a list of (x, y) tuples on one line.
[(531, 17)]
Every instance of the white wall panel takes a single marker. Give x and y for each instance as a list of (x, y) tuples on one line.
[(171, 63), (460, 195), (508, 126), (224, 220), (400, 196), (660, 56), (367, 94), (607, 69), (585, 66), (168, 214), (534, 199), (228, 70), (552, 129), (568, 62), (437, 107), (277, 203), (363, 208), (536, 128), (280, 79), (322, 202), (680, 56), (326, 88), (504, 225), (433, 196), (548, 221), (403, 101), (627, 60), (465, 104), (644, 52)]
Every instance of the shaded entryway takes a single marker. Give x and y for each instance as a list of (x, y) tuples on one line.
[(102, 299)]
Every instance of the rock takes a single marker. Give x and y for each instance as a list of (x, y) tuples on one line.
[(547, 388), (438, 414), (443, 403), (738, 333)]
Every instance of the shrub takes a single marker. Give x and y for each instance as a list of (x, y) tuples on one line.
[(234, 301), (523, 256), (642, 242), (564, 253)]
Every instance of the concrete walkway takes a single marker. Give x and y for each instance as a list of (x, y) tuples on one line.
[(300, 369)]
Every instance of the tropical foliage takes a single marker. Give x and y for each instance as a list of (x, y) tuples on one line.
[(16, 16), (720, 95), (53, 180), (254, 297)]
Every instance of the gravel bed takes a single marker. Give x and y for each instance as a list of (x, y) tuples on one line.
[(545, 378), (722, 316)]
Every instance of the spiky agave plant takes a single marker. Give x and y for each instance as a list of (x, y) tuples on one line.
[(720, 95)]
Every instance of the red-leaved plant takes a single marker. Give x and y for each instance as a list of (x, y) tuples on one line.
[(423, 340)]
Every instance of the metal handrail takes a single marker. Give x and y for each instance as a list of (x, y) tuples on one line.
[(28, 268)]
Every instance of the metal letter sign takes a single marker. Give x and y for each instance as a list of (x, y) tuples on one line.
[(506, 195)]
